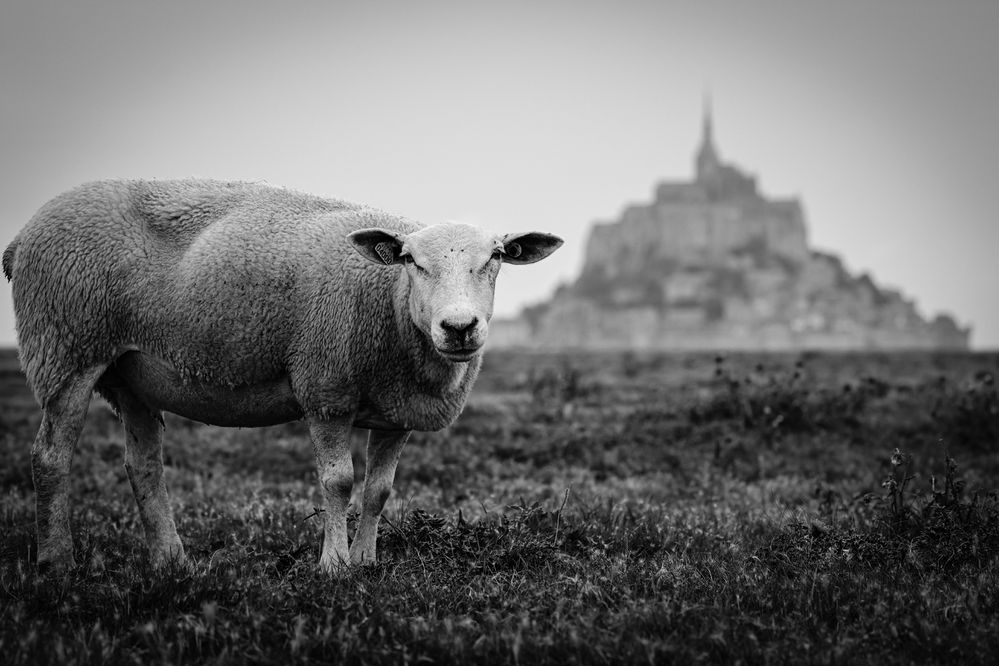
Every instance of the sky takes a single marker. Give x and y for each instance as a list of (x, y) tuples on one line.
[(882, 116)]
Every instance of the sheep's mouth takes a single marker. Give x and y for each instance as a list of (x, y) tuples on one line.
[(461, 354)]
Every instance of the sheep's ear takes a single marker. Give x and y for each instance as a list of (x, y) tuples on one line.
[(378, 245), (528, 247)]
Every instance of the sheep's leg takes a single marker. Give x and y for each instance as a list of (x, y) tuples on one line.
[(384, 449), (51, 458), (331, 442), (144, 464)]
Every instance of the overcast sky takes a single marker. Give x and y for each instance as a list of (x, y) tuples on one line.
[(883, 116)]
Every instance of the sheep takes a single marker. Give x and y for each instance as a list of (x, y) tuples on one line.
[(241, 304)]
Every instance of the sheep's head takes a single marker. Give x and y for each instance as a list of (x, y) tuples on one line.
[(452, 272)]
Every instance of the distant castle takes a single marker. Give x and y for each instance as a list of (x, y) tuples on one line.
[(713, 264)]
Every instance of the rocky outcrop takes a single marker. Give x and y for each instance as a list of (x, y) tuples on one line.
[(712, 264)]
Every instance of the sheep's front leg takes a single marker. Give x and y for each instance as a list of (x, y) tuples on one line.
[(384, 449), (331, 442)]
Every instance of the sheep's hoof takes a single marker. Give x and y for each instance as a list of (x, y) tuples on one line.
[(335, 567), (56, 563), (363, 558), (171, 556)]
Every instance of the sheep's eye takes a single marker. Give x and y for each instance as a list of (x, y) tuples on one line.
[(496, 255), (410, 260)]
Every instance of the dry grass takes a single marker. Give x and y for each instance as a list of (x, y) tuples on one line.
[(587, 509)]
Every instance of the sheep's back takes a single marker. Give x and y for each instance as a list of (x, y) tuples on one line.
[(226, 271)]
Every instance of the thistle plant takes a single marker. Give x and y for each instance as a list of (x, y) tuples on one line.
[(897, 481), (950, 494)]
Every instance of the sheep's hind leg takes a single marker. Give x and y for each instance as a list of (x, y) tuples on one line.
[(144, 464), (331, 442), (384, 449), (63, 416)]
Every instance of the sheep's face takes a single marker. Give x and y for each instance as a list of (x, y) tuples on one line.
[(452, 271)]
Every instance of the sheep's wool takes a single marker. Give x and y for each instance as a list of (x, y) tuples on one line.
[(230, 285)]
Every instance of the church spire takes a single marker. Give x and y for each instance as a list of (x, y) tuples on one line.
[(708, 137), (707, 157)]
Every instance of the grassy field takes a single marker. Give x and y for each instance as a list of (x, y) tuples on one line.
[(614, 508)]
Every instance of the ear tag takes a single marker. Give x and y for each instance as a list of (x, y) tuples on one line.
[(384, 251), (513, 250)]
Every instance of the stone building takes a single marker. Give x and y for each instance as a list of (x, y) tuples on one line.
[(713, 264)]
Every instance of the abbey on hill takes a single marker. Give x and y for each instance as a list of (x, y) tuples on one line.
[(713, 264)]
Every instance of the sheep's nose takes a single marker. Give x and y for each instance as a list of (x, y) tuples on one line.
[(459, 328)]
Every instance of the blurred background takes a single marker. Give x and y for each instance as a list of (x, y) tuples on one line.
[(723, 507), (880, 117)]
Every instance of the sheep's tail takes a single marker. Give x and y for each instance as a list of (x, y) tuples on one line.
[(8, 260)]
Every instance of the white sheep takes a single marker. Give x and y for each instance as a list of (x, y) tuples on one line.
[(240, 304)]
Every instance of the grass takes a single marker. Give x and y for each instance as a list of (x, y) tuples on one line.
[(585, 509)]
